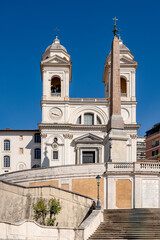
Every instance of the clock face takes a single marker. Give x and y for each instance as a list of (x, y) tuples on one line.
[(55, 113)]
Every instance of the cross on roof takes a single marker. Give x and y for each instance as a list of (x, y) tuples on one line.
[(56, 30)]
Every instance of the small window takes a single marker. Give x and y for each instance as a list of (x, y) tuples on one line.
[(55, 154), (20, 150), (88, 119), (155, 143), (78, 120), (37, 138), (37, 153), (123, 86), (6, 145), (6, 161), (98, 120), (154, 153)]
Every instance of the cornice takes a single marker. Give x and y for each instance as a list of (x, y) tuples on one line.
[(56, 64), (59, 101), (83, 127), (132, 126), (129, 102), (71, 126), (19, 130)]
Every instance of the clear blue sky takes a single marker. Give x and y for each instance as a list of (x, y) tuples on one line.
[(27, 28)]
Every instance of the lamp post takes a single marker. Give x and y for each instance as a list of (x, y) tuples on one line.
[(98, 207), (110, 146)]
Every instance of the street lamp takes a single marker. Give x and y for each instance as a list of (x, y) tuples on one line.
[(110, 146), (98, 207)]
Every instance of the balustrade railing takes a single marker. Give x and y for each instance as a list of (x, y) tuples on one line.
[(136, 167), (88, 99)]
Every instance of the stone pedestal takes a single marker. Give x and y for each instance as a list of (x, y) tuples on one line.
[(117, 140)]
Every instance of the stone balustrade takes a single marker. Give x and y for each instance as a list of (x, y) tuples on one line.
[(136, 167), (88, 99)]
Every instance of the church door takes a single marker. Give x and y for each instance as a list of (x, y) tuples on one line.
[(88, 157)]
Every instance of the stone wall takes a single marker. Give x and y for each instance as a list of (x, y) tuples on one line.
[(30, 230), (16, 203)]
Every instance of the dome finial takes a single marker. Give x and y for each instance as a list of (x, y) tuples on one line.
[(115, 30), (56, 30)]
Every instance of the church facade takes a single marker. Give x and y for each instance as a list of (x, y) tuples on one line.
[(73, 131), (80, 138)]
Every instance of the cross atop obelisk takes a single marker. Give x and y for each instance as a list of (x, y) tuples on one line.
[(115, 30)]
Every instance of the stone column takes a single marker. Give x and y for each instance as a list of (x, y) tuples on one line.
[(100, 154), (78, 159)]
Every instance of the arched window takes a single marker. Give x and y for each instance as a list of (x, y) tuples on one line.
[(6, 145), (88, 119), (78, 120), (55, 86), (6, 161), (37, 153), (98, 120), (123, 86), (37, 138)]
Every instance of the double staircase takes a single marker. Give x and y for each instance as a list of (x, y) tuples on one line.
[(129, 224)]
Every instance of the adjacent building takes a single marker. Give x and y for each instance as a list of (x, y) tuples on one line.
[(141, 148), (20, 149), (153, 142)]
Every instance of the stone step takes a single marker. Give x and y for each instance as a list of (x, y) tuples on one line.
[(129, 224)]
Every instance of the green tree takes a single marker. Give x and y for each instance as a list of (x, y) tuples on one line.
[(40, 211), (54, 208)]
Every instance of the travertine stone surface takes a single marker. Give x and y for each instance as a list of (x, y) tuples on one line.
[(150, 193), (16, 203), (88, 187), (123, 193)]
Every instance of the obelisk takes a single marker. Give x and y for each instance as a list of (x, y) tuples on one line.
[(115, 120), (116, 135)]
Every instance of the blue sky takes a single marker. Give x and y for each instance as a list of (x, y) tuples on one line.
[(27, 28)]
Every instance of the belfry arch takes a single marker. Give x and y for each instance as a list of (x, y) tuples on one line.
[(56, 86), (123, 83)]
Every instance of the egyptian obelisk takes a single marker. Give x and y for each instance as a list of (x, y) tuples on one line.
[(116, 135)]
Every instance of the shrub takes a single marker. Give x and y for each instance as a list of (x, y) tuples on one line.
[(54, 209), (40, 211)]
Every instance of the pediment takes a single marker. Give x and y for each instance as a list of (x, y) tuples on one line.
[(125, 60), (88, 138), (55, 60)]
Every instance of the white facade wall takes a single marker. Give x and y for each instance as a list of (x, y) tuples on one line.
[(60, 114), (21, 153)]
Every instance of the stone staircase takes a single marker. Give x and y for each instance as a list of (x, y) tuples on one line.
[(129, 224)]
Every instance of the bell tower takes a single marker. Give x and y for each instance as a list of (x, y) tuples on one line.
[(56, 68), (56, 72)]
